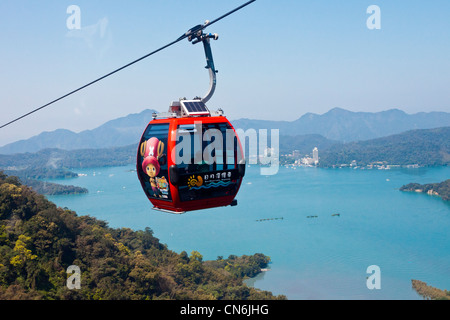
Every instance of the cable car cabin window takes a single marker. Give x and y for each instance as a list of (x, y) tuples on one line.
[(206, 157), (153, 158)]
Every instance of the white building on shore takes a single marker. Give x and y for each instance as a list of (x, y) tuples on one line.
[(308, 161), (316, 156)]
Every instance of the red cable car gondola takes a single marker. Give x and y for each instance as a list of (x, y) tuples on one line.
[(191, 158)]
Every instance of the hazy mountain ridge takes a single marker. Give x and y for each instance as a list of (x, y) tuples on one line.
[(426, 147), (338, 125), (115, 133), (346, 126), (305, 143), (63, 159)]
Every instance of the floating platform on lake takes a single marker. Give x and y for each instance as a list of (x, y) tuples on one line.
[(269, 219)]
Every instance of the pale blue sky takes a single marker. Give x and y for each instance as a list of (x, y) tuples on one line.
[(276, 59)]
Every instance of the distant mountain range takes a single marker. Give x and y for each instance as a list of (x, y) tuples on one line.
[(115, 133), (305, 143), (336, 125), (425, 147), (346, 126)]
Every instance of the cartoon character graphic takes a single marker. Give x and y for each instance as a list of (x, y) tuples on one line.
[(152, 151)]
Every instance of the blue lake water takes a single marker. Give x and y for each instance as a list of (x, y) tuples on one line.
[(405, 234)]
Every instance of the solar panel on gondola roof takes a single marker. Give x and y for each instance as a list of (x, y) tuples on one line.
[(195, 107)]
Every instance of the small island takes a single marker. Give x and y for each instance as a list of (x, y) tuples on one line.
[(437, 189), (53, 189), (35, 177)]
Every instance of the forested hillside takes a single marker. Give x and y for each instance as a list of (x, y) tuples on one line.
[(39, 241), (429, 147)]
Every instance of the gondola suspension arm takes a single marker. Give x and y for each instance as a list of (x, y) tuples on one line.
[(205, 39)]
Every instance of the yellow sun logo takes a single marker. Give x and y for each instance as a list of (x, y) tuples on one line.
[(195, 182)]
